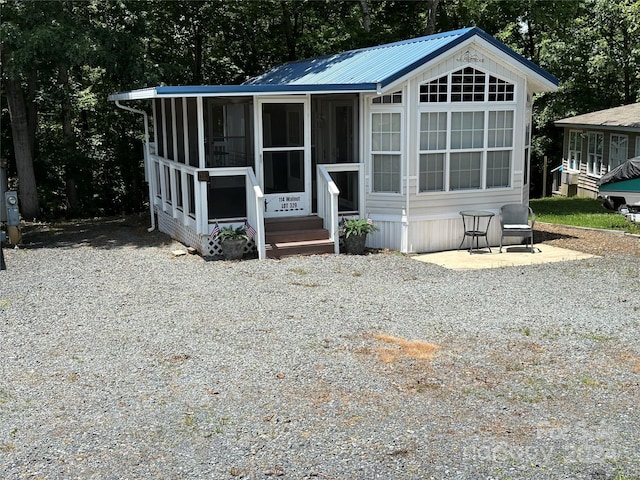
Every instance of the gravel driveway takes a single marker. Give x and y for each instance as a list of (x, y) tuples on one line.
[(121, 361)]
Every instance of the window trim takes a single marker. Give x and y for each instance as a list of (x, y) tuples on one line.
[(590, 166), (485, 101), (378, 109), (478, 107), (579, 134), (626, 151)]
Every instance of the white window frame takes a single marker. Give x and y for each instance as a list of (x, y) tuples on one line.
[(390, 109), (574, 157), (460, 103), (638, 146), (485, 108), (594, 160), (621, 147), (436, 151)]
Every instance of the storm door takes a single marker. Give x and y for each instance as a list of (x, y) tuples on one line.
[(284, 144)]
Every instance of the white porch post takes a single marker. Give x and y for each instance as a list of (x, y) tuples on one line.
[(202, 213)]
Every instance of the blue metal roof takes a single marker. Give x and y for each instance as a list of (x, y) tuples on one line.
[(365, 70), (380, 65)]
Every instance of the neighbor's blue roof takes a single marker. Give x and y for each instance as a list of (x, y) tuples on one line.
[(380, 65), (366, 69)]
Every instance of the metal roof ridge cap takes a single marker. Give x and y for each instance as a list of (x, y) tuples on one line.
[(515, 55), (469, 33)]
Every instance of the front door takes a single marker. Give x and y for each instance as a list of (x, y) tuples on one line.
[(285, 154)]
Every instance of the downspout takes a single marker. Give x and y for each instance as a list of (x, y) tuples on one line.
[(147, 167)]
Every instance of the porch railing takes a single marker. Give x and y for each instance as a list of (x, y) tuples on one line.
[(328, 194), (328, 204), (178, 191)]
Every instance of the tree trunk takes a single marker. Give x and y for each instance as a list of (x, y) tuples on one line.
[(366, 15), (68, 142), (289, 33), (27, 190), (432, 10)]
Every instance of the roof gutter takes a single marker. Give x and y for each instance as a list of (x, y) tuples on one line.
[(147, 167)]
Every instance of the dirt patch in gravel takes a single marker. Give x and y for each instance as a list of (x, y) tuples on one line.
[(595, 242)]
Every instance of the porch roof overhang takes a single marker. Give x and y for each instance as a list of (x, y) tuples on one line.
[(241, 90)]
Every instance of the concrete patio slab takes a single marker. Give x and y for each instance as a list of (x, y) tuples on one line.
[(510, 257)]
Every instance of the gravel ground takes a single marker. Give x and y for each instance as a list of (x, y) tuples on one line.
[(121, 361)]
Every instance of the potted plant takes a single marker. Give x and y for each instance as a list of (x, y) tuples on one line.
[(232, 242), (355, 232)]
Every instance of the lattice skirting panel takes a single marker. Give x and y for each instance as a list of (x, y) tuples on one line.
[(204, 244)]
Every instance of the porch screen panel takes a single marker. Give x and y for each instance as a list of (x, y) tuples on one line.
[(282, 125), (385, 148), (191, 195), (192, 120), (157, 128), (168, 111), (179, 131)]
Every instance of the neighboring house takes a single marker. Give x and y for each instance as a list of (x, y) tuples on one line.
[(594, 144), (407, 134)]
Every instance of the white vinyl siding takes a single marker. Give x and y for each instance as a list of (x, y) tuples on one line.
[(618, 150), (594, 153)]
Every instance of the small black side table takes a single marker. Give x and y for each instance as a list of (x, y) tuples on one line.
[(471, 220)]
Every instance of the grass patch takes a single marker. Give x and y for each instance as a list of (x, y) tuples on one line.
[(580, 212), (417, 349)]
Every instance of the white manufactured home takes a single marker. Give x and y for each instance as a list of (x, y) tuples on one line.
[(407, 134)]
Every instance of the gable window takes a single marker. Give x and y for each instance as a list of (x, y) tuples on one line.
[(465, 150), (435, 91), (594, 153), (467, 85), (618, 150), (575, 150), (500, 90), (395, 97), (385, 151)]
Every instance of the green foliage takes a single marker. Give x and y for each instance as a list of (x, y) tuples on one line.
[(357, 226), (580, 212), (69, 56), (230, 233)]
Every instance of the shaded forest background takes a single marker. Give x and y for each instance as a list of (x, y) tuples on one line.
[(72, 153)]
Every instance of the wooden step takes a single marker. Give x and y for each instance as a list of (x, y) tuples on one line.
[(284, 236), (290, 236), (310, 222), (288, 249)]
